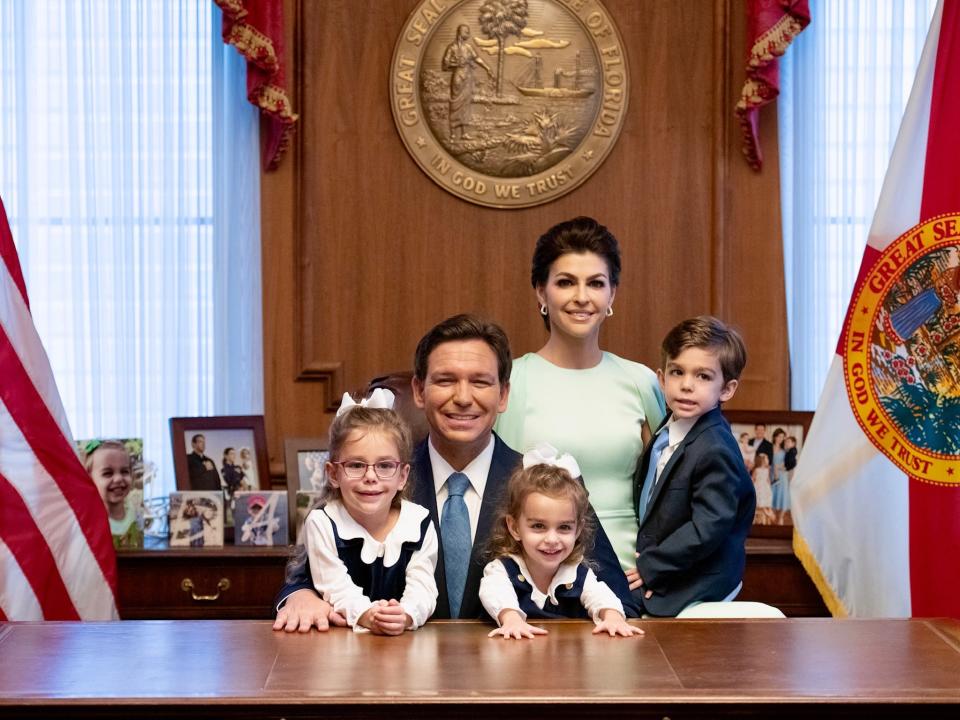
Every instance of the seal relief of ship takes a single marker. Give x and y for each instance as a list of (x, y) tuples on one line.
[(532, 80)]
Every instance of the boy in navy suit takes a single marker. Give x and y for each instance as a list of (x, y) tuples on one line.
[(694, 498)]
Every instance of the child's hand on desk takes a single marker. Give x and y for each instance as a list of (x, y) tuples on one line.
[(613, 623), (304, 610), (386, 618), (633, 577), (512, 625)]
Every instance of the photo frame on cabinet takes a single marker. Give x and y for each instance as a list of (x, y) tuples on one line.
[(771, 462), (227, 452), (306, 459)]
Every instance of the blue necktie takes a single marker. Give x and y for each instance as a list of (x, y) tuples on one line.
[(455, 534), (659, 443)]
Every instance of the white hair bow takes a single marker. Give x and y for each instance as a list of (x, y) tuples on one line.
[(546, 454), (381, 398)]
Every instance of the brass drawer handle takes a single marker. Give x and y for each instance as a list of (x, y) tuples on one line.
[(187, 586)]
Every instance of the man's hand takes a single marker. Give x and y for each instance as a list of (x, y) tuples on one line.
[(512, 625), (303, 610)]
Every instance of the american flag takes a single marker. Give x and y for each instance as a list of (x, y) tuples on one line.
[(56, 556)]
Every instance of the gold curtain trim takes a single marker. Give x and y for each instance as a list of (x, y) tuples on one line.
[(253, 45), (809, 562), (258, 49), (775, 41)]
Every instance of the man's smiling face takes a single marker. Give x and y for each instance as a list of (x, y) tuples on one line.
[(461, 394)]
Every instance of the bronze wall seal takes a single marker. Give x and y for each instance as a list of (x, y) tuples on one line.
[(509, 103)]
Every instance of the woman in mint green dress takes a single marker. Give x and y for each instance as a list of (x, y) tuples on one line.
[(597, 406)]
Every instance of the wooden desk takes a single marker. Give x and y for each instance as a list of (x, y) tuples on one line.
[(679, 669)]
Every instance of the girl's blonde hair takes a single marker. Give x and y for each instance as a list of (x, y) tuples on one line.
[(94, 445), (366, 420), (554, 482)]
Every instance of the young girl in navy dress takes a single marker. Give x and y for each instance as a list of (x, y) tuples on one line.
[(538, 545), (372, 554)]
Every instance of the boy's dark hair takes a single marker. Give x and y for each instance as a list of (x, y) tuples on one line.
[(464, 327), (707, 333), (579, 235)]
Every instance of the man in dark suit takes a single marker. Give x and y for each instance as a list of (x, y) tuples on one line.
[(461, 382), (761, 445), (695, 500), (201, 469)]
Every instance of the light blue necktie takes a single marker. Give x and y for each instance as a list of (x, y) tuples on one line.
[(455, 534), (659, 443)]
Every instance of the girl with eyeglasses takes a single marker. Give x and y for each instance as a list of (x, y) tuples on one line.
[(372, 553)]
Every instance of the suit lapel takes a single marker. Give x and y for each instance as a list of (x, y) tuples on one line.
[(425, 493), (706, 421), (501, 466)]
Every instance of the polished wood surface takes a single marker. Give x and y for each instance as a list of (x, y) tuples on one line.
[(684, 668), (362, 252)]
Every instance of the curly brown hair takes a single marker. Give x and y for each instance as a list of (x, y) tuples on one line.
[(554, 482)]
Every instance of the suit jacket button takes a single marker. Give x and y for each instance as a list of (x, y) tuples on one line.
[(521, 578), (569, 586)]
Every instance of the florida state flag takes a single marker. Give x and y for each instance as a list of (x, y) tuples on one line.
[(876, 495)]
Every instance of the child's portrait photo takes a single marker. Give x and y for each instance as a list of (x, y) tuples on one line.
[(261, 518), (116, 467), (196, 519)]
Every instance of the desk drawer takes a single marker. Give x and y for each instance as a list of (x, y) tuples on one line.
[(199, 585)]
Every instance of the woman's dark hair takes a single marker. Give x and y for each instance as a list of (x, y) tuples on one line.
[(579, 235)]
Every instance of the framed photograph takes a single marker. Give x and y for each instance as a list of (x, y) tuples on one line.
[(117, 468), (220, 454), (306, 501), (261, 518), (770, 442), (196, 519), (306, 459)]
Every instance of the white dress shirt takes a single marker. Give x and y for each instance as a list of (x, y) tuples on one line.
[(497, 593), (476, 471), (678, 429), (330, 575)]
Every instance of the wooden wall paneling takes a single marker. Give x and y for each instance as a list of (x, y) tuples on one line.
[(363, 252), (754, 293)]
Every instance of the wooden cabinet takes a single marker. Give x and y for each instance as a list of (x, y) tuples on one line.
[(241, 582), (775, 576), (164, 583)]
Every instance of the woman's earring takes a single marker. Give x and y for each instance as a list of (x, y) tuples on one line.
[(609, 310), (543, 310)]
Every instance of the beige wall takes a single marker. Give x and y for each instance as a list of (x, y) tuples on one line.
[(363, 252)]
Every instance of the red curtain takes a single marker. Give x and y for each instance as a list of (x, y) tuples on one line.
[(255, 28), (771, 27)]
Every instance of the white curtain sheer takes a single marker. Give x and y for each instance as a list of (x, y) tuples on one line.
[(129, 170), (844, 85)]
